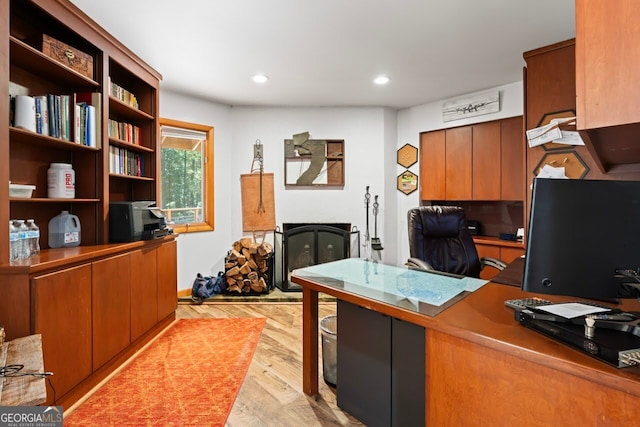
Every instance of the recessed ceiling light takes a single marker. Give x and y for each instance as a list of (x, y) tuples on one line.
[(260, 78), (381, 80)]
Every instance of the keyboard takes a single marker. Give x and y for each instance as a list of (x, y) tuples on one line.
[(523, 303)]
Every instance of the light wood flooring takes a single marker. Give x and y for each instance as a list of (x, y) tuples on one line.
[(271, 394)]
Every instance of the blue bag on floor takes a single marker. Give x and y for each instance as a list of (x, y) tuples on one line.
[(206, 286)]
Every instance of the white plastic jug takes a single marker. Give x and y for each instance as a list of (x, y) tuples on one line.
[(64, 230)]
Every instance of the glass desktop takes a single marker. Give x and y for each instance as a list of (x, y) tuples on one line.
[(427, 293)]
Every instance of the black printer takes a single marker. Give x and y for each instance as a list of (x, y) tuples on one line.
[(140, 220)]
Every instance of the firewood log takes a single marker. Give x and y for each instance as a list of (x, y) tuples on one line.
[(246, 253), (245, 269), (233, 271), (257, 287)]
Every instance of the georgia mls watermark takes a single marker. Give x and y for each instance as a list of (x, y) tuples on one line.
[(30, 416)]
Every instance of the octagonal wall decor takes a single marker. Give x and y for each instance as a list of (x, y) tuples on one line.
[(407, 155), (574, 166), (407, 182), (546, 119)]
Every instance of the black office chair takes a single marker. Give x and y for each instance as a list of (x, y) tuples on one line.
[(440, 240)]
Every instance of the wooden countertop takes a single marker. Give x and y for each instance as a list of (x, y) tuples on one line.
[(486, 240), (483, 318), (49, 259)]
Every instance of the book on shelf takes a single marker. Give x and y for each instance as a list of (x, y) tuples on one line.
[(91, 126), (38, 114), (47, 115), (125, 162), (43, 128), (53, 131), (123, 95), (124, 131), (58, 107), (64, 117)]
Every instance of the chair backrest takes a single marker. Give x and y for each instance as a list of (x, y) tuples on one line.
[(439, 236)]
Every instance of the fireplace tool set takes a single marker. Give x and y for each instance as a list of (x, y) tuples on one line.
[(375, 242)]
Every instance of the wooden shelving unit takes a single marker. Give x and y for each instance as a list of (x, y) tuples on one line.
[(104, 301)]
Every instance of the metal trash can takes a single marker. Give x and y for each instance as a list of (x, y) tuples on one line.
[(329, 332)]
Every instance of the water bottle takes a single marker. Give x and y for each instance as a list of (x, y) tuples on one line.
[(13, 241), (23, 244), (34, 237)]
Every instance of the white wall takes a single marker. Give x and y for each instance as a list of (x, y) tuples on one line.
[(427, 117), (371, 135), (366, 136)]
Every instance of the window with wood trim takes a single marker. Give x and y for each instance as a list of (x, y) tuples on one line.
[(186, 175)]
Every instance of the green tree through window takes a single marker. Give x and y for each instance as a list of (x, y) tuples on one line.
[(186, 164)]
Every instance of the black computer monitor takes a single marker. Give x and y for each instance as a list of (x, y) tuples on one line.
[(581, 232)]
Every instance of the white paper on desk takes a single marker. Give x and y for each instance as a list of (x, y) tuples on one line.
[(543, 134), (570, 310), (548, 171)]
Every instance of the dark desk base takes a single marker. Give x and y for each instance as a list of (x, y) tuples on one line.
[(381, 367)]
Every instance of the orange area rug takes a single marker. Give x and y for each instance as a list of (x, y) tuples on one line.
[(189, 376)]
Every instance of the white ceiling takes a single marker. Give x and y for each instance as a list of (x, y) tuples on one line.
[(326, 52)]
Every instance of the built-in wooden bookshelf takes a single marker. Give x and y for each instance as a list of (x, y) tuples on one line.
[(109, 298)]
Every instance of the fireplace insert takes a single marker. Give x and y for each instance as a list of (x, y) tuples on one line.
[(302, 245)]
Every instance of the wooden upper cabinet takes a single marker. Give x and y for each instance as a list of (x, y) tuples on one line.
[(458, 165), (486, 161), (483, 161), (512, 159), (607, 61), (432, 165), (607, 83)]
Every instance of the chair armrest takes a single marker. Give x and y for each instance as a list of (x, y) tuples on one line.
[(418, 264), (493, 262)]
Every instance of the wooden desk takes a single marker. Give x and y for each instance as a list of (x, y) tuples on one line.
[(483, 368)]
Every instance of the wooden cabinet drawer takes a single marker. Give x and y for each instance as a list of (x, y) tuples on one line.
[(62, 315)]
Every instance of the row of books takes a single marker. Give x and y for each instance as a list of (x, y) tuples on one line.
[(122, 94), (53, 115), (124, 131), (125, 162)]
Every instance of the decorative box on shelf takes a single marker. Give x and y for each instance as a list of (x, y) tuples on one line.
[(67, 55)]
